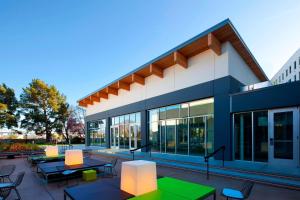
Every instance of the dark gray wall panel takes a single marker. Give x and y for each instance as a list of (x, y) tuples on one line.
[(284, 95)]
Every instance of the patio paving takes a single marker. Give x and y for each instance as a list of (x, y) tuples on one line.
[(33, 187)]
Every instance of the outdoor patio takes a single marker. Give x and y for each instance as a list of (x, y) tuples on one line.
[(34, 187)]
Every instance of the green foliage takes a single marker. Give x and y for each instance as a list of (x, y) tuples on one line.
[(15, 147), (8, 107), (41, 106)]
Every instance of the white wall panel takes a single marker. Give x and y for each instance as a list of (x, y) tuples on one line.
[(202, 68)]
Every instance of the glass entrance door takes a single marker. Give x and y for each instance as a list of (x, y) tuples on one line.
[(133, 136), (283, 136), (114, 137)]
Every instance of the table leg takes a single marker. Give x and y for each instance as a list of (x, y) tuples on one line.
[(215, 196)]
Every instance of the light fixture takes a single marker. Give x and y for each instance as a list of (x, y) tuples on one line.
[(138, 177), (73, 157), (51, 151)]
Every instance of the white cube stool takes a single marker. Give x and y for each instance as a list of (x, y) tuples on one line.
[(138, 177)]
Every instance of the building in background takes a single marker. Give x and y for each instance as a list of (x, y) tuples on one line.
[(290, 71), (205, 93)]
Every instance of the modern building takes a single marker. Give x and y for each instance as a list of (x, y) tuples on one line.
[(290, 71), (205, 93)]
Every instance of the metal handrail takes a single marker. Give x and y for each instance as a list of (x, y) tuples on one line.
[(132, 151), (206, 158)]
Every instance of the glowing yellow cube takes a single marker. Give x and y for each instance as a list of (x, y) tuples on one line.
[(73, 157), (138, 177), (51, 151)]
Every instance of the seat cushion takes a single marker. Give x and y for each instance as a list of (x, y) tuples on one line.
[(5, 185), (232, 193), (108, 165), (68, 172)]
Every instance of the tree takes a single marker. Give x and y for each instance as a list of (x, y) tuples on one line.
[(8, 107), (79, 127), (63, 115), (40, 106), (70, 122)]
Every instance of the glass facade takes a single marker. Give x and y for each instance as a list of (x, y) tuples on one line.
[(96, 132), (125, 131), (251, 136), (186, 128)]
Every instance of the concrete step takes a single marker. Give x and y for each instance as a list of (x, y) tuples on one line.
[(278, 180)]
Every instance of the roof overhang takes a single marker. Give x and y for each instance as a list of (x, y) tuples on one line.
[(209, 39)]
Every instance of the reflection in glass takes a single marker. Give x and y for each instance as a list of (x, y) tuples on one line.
[(154, 136), (202, 107), (210, 134), (182, 136), (260, 130), (170, 136), (172, 112), (126, 131), (96, 132), (163, 136), (180, 133), (243, 136), (197, 136), (283, 135)]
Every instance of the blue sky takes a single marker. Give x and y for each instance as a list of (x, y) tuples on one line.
[(80, 46)]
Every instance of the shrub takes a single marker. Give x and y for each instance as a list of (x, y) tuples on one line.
[(15, 147)]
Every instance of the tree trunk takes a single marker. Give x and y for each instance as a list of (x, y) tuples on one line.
[(48, 136)]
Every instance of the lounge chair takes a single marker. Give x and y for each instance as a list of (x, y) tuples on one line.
[(110, 167), (6, 171), (15, 184), (244, 193)]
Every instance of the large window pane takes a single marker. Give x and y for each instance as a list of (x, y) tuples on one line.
[(172, 111), (182, 136), (154, 136), (170, 136), (153, 115), (243, 136), (138, 118), (260, 130), (184, 110), (197, 136), (210, 134), (163, 135), (162, 113), (96, 132), (202, 107)]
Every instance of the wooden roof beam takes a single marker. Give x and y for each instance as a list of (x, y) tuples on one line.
[(103, 95), (110, 90), (123, 85), (214, 44), (138, 79), (88, 101), (154, 69), (82, 104), (180, 59), (95, 98)]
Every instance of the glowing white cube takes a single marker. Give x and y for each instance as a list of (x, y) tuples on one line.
[(73, 157), (138, 177), (51, 151)]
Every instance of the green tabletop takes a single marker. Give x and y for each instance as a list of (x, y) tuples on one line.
[(171, 188)]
